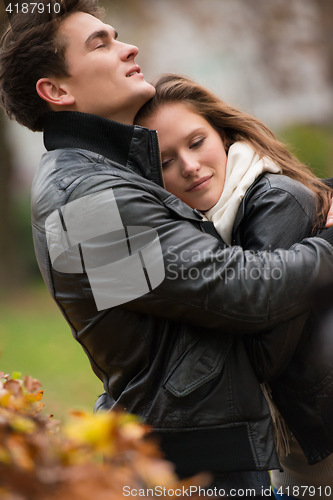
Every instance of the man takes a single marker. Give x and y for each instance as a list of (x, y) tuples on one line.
[(151, 293)]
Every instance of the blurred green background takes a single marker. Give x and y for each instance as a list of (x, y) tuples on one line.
[(36, 341), (313, 145), (273, 59)]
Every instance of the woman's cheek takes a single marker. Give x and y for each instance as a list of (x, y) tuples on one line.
[(170, 181)]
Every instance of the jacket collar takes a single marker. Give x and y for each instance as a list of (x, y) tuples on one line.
[(128, 145)]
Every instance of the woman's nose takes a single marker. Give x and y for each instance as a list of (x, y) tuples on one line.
[(189, 165)]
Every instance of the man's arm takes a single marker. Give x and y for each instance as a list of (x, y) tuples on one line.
[(212, 286)]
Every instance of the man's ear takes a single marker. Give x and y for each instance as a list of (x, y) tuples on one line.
[(54, 92)]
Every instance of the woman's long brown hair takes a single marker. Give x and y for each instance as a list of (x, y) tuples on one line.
[(234, 125)]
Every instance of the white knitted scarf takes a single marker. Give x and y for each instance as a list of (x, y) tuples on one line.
[(243, 167)]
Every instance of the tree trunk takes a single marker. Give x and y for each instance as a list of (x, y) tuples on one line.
[(9, 262), (326, 10)]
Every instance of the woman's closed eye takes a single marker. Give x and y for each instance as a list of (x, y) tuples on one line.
[(166, 162), (197, 143)]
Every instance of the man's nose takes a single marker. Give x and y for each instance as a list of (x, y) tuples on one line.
[(128, 51)]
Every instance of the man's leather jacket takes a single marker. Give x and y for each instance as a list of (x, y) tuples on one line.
[(175, 355)]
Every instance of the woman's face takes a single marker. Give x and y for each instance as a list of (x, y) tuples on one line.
[(193, 155)]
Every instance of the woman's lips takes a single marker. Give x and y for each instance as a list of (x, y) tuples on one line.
[(200, 184)]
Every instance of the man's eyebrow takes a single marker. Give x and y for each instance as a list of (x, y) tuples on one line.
[(100, 34)]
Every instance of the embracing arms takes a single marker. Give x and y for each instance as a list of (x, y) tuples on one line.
[(206, 283)]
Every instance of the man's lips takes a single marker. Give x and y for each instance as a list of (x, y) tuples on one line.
[(135, 70), (200, 183)]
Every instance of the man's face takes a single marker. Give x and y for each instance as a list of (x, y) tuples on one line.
[(105, 80)]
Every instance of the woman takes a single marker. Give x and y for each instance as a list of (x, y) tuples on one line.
[(229, 166)]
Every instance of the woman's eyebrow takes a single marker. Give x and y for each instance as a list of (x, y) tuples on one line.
[(189, 136), (196, 130)]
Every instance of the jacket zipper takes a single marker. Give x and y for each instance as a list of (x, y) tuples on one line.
[(238, 220), (160, 157)]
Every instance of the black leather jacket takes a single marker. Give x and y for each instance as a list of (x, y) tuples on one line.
[(301, 384), (172, 356)]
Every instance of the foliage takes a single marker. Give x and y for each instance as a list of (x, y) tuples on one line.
[(91, 456)]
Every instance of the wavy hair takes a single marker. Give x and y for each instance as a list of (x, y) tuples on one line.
[(234, 125)]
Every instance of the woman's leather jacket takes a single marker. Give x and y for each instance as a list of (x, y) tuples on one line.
[(301, 385)]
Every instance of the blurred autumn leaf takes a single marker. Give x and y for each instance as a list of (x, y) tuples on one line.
[(90, 456)]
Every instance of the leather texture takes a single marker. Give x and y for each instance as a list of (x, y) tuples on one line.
[(296, 357), (176, 356)]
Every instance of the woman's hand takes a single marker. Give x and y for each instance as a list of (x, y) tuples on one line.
[(329, 220)]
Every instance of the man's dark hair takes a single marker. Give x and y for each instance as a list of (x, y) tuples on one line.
[(30, 50)]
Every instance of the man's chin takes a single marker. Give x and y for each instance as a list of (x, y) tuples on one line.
[(150, 90), (147, 93)]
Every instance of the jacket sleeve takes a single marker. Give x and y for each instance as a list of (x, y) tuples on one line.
[(211, 286), (275, 218)]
